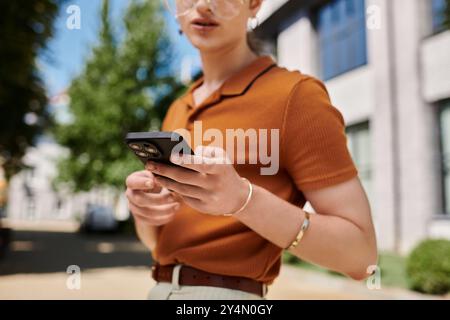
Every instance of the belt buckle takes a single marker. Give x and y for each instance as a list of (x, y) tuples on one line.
[(155, 272), (265, 289)]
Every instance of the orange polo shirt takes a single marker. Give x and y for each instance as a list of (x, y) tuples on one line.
[(313, 154)]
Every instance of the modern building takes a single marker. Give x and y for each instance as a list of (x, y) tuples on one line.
[(387, 68)]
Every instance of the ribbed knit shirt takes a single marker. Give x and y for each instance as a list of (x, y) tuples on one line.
[(313, 154)]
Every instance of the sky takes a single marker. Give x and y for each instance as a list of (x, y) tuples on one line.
[(69, 48)]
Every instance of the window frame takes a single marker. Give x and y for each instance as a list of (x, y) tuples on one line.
[(445, 212), (438, 16), (349, 31), (367, 171)]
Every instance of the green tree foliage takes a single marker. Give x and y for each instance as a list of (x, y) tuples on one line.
[(25, 28), (125, 86)]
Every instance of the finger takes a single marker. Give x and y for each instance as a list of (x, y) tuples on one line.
[(192, 202), (177, 196), (156, 189), (211, 152), (154, 213), (144, 199), (154, 210), (141, 180), (182, 189), (179, 174), (154, 219), (198, 163), (143, 173)]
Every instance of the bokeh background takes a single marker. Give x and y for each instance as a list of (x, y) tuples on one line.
[(77, 75)]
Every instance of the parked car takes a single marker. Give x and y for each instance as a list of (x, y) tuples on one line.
[(98, 218)]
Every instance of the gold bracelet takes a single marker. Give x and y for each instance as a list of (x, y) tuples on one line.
[(305, 225), (250, 192)]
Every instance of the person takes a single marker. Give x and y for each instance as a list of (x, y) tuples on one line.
[(218, 230)]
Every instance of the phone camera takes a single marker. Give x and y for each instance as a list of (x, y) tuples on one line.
[(135, 146), (142, 154), (151, 149)]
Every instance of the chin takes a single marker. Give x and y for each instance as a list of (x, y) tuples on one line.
[(206, 45), (211, 44)]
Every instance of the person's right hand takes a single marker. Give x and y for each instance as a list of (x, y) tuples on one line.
[(148, 202)]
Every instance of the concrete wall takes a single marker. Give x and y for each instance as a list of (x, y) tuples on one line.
[(353, 93), (297, 47), (382, 130), (435, 63), (418, 137)]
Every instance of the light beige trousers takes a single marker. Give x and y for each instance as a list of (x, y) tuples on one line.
[(175, 291)]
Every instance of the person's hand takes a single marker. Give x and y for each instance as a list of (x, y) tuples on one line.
[(212, 186), (149, 203)]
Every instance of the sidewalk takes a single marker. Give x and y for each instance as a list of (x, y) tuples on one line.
[(299, 284), (134, 283), (117, 267), (124, 283)]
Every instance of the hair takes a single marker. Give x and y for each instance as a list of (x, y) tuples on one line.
[(255, 44)]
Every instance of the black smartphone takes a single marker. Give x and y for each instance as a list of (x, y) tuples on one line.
[(157, 146)]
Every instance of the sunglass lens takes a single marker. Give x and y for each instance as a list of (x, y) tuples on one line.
[(226, 9), (179, 7)]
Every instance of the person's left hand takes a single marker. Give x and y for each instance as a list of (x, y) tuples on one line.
[(212, 186)]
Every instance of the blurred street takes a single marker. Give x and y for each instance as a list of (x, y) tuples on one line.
[(117, 267), (112, 266)]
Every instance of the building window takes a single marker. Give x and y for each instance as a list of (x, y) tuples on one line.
[(438, 12), (445, 154), (342, 37), (359, 144)]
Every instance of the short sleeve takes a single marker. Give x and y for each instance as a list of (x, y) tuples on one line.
[(168, 118), (174, 112), (314, 143)]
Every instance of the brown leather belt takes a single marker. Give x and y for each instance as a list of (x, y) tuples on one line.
[(193, 277)]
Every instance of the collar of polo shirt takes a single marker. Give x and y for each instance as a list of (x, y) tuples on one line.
[(237, 84)]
